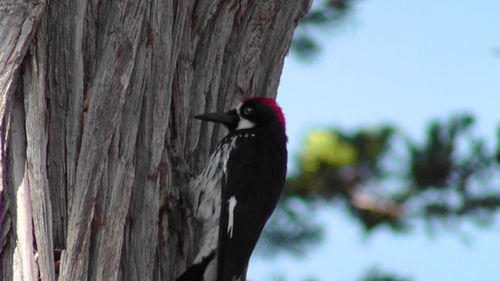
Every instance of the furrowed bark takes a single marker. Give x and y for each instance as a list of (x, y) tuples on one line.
[(108, 89), (18, 22), (107, 96), (23, 259), (35, 105)]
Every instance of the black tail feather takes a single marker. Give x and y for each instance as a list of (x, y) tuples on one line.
[(195, 271)]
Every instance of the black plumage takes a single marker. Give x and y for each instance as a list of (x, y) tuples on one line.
[(250, 184)]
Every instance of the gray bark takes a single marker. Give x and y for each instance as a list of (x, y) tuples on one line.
[(106, 93)]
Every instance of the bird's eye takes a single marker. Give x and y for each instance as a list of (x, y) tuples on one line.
[(247, 111)]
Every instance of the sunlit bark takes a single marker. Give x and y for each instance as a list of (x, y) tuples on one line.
[(105, 93)]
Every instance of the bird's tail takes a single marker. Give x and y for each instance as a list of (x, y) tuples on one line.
[(197, 270)]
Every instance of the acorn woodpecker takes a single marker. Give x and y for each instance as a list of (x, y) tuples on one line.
[(239, 189)]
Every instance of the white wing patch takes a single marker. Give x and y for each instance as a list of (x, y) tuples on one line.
[(232, 205), (205, 196), (206, 188)]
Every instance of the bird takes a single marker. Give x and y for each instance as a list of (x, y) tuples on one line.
[(239, 188)]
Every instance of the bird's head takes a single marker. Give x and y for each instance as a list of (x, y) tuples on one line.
[(256, 112)]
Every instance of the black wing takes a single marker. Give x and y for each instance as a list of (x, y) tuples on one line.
[(254, 181)]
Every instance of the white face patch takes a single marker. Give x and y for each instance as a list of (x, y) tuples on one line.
[(243, 123), (230, 223)]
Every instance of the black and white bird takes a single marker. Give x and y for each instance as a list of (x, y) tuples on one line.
[(239, 189)]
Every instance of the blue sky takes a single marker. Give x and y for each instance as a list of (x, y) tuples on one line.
[(403, 62)]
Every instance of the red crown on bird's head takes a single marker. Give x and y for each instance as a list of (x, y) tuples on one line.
[(271, 103)]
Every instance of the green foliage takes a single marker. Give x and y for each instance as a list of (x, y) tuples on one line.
[(453, 174), (432, 164), (379, 176), (497, 154), (292, 227), (337, 165), (383, 178), (372, 274), (496, 51), (375, 274), (333, 162), (323, 13)]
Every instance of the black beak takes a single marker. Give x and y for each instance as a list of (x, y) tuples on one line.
[(230, 118)]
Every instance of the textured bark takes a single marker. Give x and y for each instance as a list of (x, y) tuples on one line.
[(18, 21), (107, 91), (35, 106)]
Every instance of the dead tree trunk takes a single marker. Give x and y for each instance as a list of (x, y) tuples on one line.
[(96, 134)]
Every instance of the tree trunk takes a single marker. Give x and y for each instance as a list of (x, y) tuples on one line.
[(96, 135)]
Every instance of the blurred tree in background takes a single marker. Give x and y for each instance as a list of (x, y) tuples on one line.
[(383, 178), (375, 274), (323, 15), (380, 176)]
